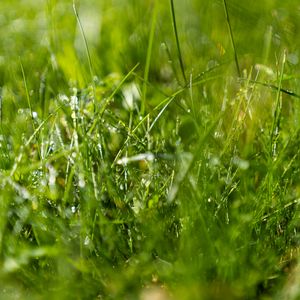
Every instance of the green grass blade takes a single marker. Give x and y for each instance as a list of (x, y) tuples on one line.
[(148, 58), (277, 111), (232, 38), (177, 41), (27, 93), (85, 41)]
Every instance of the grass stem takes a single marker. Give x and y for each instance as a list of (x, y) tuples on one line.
[(232, 38), (177, 41), (148, 58)]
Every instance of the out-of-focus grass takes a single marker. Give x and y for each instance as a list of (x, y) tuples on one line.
[(191, 195)]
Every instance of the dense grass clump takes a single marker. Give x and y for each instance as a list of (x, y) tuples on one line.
[(149, 150)]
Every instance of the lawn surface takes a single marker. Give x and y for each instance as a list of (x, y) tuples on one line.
[(149, 149)]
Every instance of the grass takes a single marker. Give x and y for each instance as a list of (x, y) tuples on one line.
[(149, 149)]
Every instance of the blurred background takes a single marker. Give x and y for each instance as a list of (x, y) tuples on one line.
[(117, 34)]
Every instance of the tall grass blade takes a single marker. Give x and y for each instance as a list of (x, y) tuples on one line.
[(148, 58), (232, 39), (275, 87), (1, 100), (277, 111), (177, 41), (88, 54), (27, 92), (84, 40)]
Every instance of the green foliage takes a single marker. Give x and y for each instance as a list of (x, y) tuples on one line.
[(135, 160)]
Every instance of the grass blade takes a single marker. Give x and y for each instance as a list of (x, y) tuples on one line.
[(88, 54), (232, 39), (27, 93), (277, 112), (1, 100), (177, 41), (85, 41), (148, 58)]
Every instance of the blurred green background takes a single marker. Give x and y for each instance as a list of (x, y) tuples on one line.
[(46, 37), (46, 32)]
